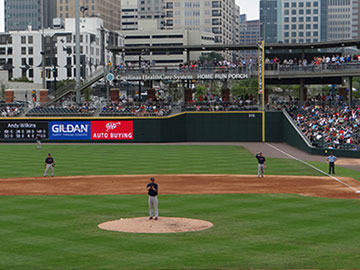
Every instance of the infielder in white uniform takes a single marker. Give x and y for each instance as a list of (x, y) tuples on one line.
[(152, 189)]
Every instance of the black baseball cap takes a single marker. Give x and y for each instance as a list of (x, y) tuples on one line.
[(152, 178)]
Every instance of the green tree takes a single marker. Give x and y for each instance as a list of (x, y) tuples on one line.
[(22, 79), (243, 87), (87, 94), (200, 90), (2, 94), (176, 92), (62, 83), (215, 87), (209, 57)]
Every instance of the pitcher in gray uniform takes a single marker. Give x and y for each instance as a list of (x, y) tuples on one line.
[(153, 189)]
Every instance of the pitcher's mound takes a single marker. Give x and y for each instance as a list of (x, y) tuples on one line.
[(162, 225)]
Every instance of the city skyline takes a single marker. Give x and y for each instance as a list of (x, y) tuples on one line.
[(251, 9)]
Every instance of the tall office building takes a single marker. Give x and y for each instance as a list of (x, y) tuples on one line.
[(151, 9), (343, 19), (204, 15), (249, 35), (304, 21), (356, 19), (270, 20), (108, 10), (134, 10), (129, 15), (20, 14), (294, 21)]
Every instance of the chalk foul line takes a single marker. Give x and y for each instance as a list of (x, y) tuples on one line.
[(313, 167)]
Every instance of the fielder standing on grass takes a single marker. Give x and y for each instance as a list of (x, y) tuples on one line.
[(153, 189), (331, 160), (49, 164), (261, 164), (38, 142)]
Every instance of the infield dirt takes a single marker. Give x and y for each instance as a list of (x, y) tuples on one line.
[(180, 184)]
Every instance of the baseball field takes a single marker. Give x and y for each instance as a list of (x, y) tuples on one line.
[(294, 218)]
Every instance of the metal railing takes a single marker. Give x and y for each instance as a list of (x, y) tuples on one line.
[(72, 86), (251, 70)]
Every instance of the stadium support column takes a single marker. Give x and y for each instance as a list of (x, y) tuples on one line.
[(187, 57), (114, 54), (302, 90), (77, 49), (43, 47), (350, 91), (140, 68)]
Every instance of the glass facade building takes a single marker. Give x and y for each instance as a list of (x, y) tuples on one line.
[(20, 14), (294, 21), (270, 20)]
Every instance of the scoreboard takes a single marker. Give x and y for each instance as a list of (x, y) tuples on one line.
[(23, 130)]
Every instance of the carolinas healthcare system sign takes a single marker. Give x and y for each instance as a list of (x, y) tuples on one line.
[(112, 130), (91, 130), (70, 130)]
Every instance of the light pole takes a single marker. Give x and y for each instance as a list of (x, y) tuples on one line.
[(77, 38), (43, 47)]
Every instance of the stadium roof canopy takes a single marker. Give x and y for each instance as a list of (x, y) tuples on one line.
[(237, 47)]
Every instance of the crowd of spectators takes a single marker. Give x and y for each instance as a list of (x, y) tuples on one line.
[(125, 108), (324, 62), (68, 110), (11, 110), (328, 126), (213, 103)]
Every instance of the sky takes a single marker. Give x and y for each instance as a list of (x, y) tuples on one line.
[(249, 7)]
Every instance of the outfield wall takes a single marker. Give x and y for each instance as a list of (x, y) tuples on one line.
[(184, 127), (193, 127)]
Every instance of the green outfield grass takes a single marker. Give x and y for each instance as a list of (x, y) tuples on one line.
[(251, 231), (26, 160)]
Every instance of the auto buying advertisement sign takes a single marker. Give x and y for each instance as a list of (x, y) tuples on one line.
[(112, 130), (91, 130), (70, 130)]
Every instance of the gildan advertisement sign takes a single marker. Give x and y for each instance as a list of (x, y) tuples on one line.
[(23, 130), (70, 130), (112, 130)]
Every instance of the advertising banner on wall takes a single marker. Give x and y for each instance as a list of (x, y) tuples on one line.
[(23, 130), (112, 130), (70, 130)]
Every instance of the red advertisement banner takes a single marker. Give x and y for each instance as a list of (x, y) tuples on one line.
[(112, 130)]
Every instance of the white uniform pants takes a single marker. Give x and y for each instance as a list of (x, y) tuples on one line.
[(38, 144), (49, 166), (261, 170), (153, 203)]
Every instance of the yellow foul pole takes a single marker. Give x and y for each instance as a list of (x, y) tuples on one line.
[(261, 72)]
